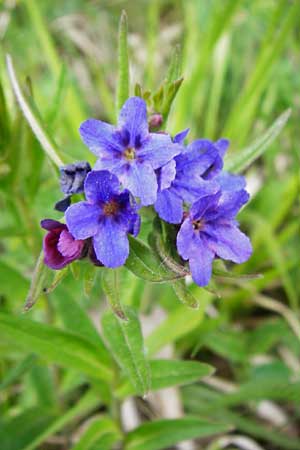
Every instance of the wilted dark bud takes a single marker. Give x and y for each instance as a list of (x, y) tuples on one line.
[(72, 177)]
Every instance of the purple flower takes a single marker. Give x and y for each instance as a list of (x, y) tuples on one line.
[(129, 151), (60, 247), (107, 216), (196, 166), (210, 230)]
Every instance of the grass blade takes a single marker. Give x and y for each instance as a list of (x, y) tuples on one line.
[(38, 129), (123, 77), (242, 159)]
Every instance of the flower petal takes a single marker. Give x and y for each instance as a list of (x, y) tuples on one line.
[(201, 264), (133, 119), (68, 246), (83, 220), (231, 182), (158, 150), (191, 189), (111, 244), (229, 243), (100, 137), (186, 240), (140, 180), (201, 155), (205, 205), (50, 224), (222, 145), (165, 175), (169, 206), (180, 137), (229, 205), (100, 185)]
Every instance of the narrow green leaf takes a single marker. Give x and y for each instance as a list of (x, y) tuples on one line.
[(76, 320), (160, 434), (125, 340), (42, 384), (97, 429), (123, 78), (242, 159), (144, 264), (17, 371), (54, 345), (110, 285), (174, 69), (167, 373), (179, 322), (184, 294), (34, 121), (59, 275), (85, 405), (37, 286), (20, 430)]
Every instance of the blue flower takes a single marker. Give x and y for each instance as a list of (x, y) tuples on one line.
[(194, 169), (106, 217), (210, 230), (129, 151)]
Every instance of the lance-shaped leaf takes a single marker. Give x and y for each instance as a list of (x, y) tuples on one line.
[(38, 282), (99, 430), (184, 294), (123, 79), (18, 370), (54, 345), (143, 262), (125, 340), (110, 285), (239, 161), (166, 373), (161, 434)]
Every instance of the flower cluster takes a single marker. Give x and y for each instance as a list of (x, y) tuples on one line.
[(136, 168)]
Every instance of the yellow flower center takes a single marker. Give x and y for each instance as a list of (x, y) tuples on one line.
[(129, 153)]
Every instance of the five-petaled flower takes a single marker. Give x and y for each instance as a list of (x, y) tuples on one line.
[(106, 217), (60, 247), (210, 230), (129, 150)]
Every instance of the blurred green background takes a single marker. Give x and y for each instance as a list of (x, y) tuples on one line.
[(240, 63)]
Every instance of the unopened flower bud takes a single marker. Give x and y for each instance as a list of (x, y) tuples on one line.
[(155, 121)]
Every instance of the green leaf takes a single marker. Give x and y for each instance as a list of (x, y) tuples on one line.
[(241, 160), (32, 118), (184, 294), (37, 286), (160, 434), (76, 320), (20, 430), (144, 263), (123, 78), (125, 340), (17, 371), (167, 373), (95, 432), (174, 68), (110, 285), (85, 405), (178, 323), (54, 345)]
